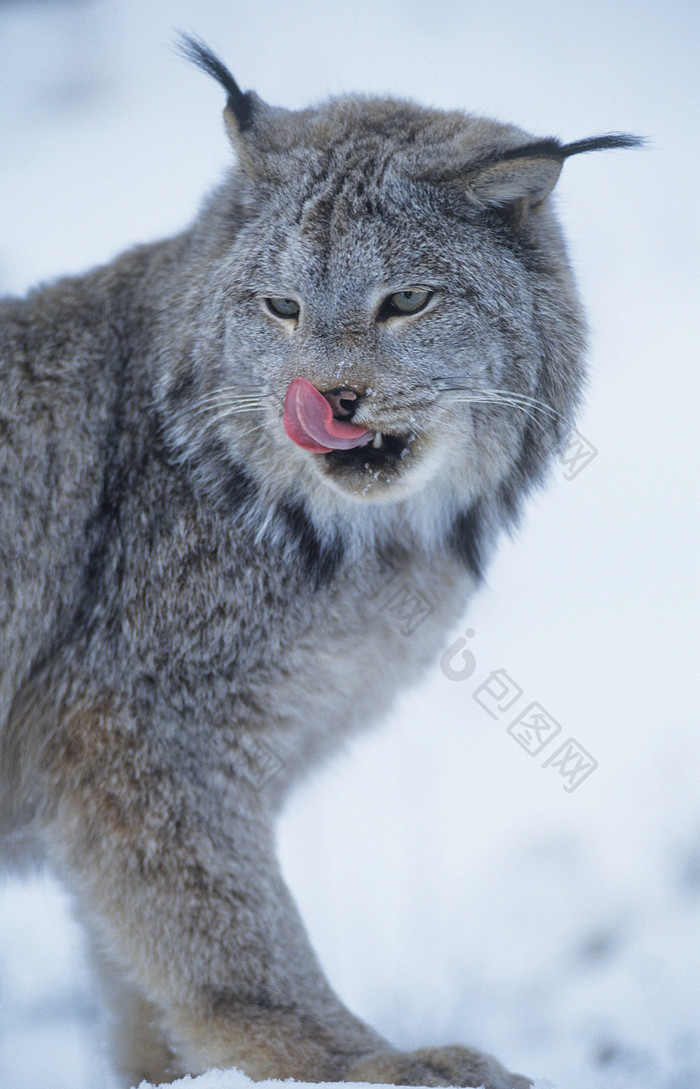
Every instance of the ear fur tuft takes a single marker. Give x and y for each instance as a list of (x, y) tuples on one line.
[(239, 104), (530, 171), (608, 141)]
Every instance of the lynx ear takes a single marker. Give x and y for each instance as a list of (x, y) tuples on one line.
[(527, 174), (240, 110)]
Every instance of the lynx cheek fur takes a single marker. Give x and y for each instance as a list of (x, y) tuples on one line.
[(215, 453)]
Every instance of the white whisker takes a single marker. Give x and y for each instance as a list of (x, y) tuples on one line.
[(228, 396), (526, 399), (224, 406), (502, 398), (223, 395), (532, 406), (223, 413), (222, 402), (504, 402), (251, 430)]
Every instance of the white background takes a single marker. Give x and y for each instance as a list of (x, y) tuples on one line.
[(454, 890)]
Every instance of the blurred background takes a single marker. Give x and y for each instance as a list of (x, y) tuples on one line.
[(455, 889)]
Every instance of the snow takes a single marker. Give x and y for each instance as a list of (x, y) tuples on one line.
[(466, 894), (234, 1079)]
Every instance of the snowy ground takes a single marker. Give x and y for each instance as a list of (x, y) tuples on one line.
[(465, 894)]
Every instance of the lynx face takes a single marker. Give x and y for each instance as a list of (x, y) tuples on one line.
[(388, 317), (391, 340), (410, 311)]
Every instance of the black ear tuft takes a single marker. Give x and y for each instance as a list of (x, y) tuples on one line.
[(530, 171), (239, 103), (551, 148), (608, 141)]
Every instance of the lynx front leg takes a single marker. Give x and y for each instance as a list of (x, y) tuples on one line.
[(138, 1045), (185, 895), (180, 885)]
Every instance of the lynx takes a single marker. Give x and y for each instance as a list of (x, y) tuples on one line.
[(215, 454)]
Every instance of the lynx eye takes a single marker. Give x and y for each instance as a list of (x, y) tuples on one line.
[(282, 307), (409, 301)]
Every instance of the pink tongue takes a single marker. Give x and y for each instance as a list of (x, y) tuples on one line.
[(309, 421)]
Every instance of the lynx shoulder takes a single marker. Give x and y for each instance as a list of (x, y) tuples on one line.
[(216, 455)]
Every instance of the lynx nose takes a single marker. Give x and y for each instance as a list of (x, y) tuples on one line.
[(343, 401)]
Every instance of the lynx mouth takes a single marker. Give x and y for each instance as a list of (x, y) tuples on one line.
[(345, 450), (310, 423), (383, 449)]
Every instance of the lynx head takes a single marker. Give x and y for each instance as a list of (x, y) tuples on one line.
[(386, 312)]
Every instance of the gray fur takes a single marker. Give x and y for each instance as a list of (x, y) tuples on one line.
[(182, 588)]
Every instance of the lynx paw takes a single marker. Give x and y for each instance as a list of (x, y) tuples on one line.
[(436, 1066)]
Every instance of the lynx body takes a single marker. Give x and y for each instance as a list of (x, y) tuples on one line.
[(216, 453)]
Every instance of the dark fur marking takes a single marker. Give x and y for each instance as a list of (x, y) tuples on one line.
[(102, 529), (181, 388), (232, 487), (532, 459), (510, 499), (608, 141), (320, 559), (318, 213), (551, 148), (234, 491), (466, 539), (528, 470), (224, 1000), (240, 104), (547, 148), (239, 488)]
